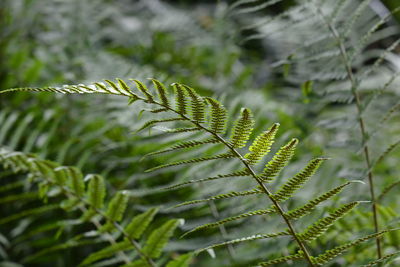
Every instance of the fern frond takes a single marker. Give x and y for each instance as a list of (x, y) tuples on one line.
[(333, 253), (189, 161), (230, 219), (106, 252), (279, 161), (142, 88), (309, 207), (181, 261), (139, 223), (242, 129), (159, 238), (218, 115), (322, 225), (387, 189), (222, 196), (244, 239), (161, 91), (197, 105), (262, 145), (152, 122), (180, 98), (96, 191), (241, 173), (383, 259), (76, 181), (281, 260), (117, 206), (295, 183), (182, 145)]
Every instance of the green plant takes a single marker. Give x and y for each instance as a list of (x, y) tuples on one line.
[(206, 116), (88, 196)]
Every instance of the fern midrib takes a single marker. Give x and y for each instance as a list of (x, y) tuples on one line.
[(116, 225), (252, 173), (354, 86)]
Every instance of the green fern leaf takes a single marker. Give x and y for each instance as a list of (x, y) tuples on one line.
[(230, 219), (180, 98), (106, 252), (197, 104), (159, 238), (96, 191), (182, 145), (218, 115), (161, 91), (144, 90), (181, 261), (125, 87), (140, 223), (242, 129), (222, 196), (307, 208), (295, 183), (189, 161), (117, 206), (387, 189), (152, 122), (332, 253), (76, 181), (322, 225), (241, 173), (281, 260), (244, 239), (115, 87), (279, 161), (262, 145)]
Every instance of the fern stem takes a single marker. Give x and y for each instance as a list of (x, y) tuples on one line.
[(364, 133), (278, 207)]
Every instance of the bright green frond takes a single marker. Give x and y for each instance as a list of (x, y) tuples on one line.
[(140, 223), (142, 88), (309, 207), (222, 196), (218, 116), (262, 145), (279, 161), (158, 239), (161, 91), (180, 98), (242, 130), (96, 191), (241, 173), (181, 261), (295, 183), (333, 253), (322, 225), (245, 239), (197, 104), (117, 206), (230, 219), (196, 160)]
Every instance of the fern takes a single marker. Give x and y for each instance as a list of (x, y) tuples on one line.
[(90, 201), (187, 100)]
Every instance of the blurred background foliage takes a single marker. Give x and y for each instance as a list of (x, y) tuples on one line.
[(273, 58)]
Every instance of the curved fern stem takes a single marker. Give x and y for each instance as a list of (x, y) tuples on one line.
[(252, 173), (364, 133)]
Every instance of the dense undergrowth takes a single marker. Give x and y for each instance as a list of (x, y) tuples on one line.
[(224, 186)]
